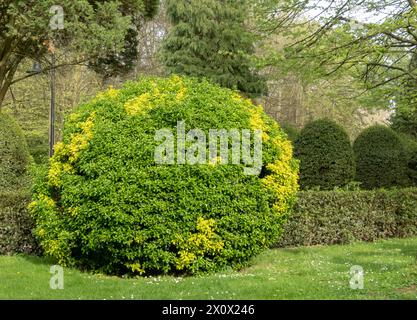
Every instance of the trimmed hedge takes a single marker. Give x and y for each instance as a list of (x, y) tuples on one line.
[(14, 155), (107, 205), (15, 224), (381, 159), (337, 217), (325, 154)]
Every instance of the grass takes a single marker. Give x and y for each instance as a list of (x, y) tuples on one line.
[(320, 272)]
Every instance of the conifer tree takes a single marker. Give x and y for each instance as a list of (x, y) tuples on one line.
[(209, 39)]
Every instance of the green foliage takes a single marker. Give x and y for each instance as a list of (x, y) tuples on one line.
[(380, 158), (92, 31), (116, 64), (412, 168), (405, 119), (38, 147), (410, 146), (105, 205), (209, 39), (291, 131), (329, 217), (119, 62), (15, 224), (339, 41), (325, 154), (14, 155)]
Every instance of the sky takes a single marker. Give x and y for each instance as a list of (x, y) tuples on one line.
[(360, 14)]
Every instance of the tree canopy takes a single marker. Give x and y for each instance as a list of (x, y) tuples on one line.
[(210, 38), (375, 41), (93, 29)]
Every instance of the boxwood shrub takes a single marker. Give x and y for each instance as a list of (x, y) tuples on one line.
[(14, 155), (105, 204), (381, 159), (337, 217), (325, 154), (16, 224)]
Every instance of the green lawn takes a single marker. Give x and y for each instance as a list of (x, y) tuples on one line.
[(302, 273)]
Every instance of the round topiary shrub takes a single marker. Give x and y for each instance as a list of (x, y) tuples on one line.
[(380, 158), (115, 201), (325, 154), (14, 155)]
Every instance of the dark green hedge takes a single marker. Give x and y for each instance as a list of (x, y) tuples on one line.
[(335, 217), (14, 155), (15, 224), (325, 154), (381, 159)]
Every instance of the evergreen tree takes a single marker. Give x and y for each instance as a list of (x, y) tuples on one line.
[(209, 39), (119, 62)]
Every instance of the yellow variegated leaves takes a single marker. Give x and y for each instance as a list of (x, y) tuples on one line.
[(109, 93), (138, 105), (156, 96), (283, 178), (204, 241), (78, 142)]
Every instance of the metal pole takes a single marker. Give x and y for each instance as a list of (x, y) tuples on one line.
[(52, 109)]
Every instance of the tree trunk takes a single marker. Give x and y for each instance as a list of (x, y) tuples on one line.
[(7, 78), (8, 67), (6, 82)]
